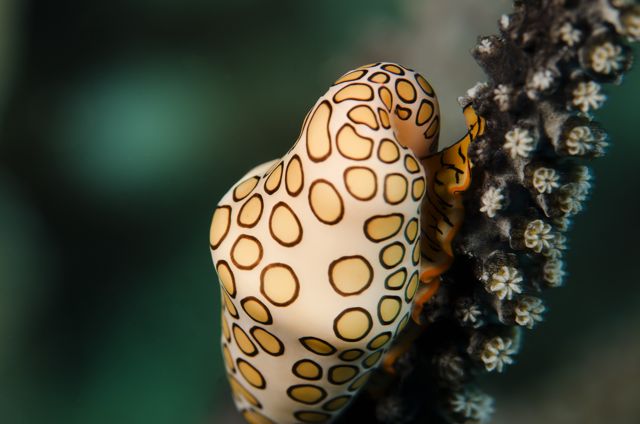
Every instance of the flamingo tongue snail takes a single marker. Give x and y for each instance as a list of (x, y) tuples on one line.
[(323, 253)]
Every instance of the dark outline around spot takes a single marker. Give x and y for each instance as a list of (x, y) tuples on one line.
[(259, 215), (415, 93), (296, 386), (280, 344), (406, 236), (306, 131), (407, 158), (235, 338), (298, 416), (227, 298), (346, 87), (382, 299), (282, 173), (273, 235), (236, 198), (235, 243), (377, 354), (406, 188), (294, 366), (399, 109), (224, 235), (433, 111), (394, 145), (233, 278), (336, 382), (264, 382), (404, 280), (295, 278), (372, 76), (325, 405), (249, 298), (336, 319), (366, 223), (417, 77), (336, 261), (371, 143), (380, 112), (380, 90), (424, 188), (364, 72), (340, 216), (361, 376), (375, 179), (406, 289), (359, 351), (387, 65), (302, 341), (385, 333), (286, 173), (375, 118)]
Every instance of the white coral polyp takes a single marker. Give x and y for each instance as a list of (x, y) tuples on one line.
[(485, 46), (553, 272), (470, 315), (541, 80), (583, 175), (545, 180), (505, 21), (569, 34), (491, 201), (529, 311), (606, 58), (501, 95), (538, 236), (519, 142), (505, 283), (571, 197), (497, 353), (631, 25), (473, 406), (472, 93), (587, 96), (582, 140)]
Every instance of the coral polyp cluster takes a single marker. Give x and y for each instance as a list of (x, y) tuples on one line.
[(547, 69)]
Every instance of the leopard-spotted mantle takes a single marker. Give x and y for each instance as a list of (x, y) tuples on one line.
[(320, 253)]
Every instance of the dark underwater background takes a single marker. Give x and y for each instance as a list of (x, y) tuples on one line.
[(122, 123)]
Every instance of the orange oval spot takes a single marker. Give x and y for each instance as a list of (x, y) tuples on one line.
[(379, 77), (350, 76), (394, 69), (405, 90), (352, 145), (220, 224), (325, 201), (243, 189), (226, 278), (250, 212), (388, 151), (284, 225), (350, 275), (294, 178), (318, 138), (363, 115), (395, 188), (383, 227), (360, 182), (357, 91)]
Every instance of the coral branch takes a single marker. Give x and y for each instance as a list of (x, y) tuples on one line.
[(545, 74)]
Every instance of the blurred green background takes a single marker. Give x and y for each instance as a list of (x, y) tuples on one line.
[(121, 125)]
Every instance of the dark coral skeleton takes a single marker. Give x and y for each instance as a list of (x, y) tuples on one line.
[(545, 73)]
